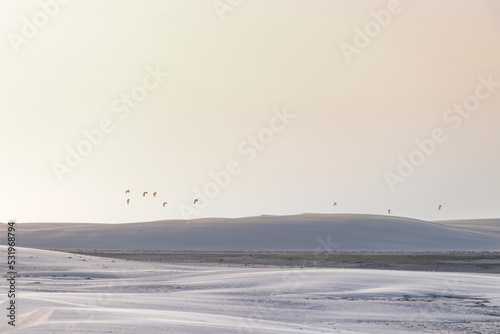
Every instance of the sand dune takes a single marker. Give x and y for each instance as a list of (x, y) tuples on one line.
[(307, 232), (486, 226)]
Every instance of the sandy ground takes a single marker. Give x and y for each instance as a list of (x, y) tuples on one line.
[(74, 293), (475, 262)]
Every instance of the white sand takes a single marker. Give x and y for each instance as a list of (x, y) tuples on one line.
[(66, 293)]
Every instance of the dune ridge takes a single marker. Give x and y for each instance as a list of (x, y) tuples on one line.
[(306, 233)]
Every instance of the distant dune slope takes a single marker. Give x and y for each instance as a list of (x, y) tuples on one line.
[(488, 226), (306, 232)]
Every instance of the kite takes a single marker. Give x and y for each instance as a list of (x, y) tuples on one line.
[(154, 194), (144, 194), (164, 203), (128, 201), (335, 204), (195, 201), (440, 206), (389, 211), (127, 192)]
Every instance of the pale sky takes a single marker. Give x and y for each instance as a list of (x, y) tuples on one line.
[(229, 72)]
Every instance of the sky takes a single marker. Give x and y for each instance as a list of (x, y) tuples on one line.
[(253, 107)]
